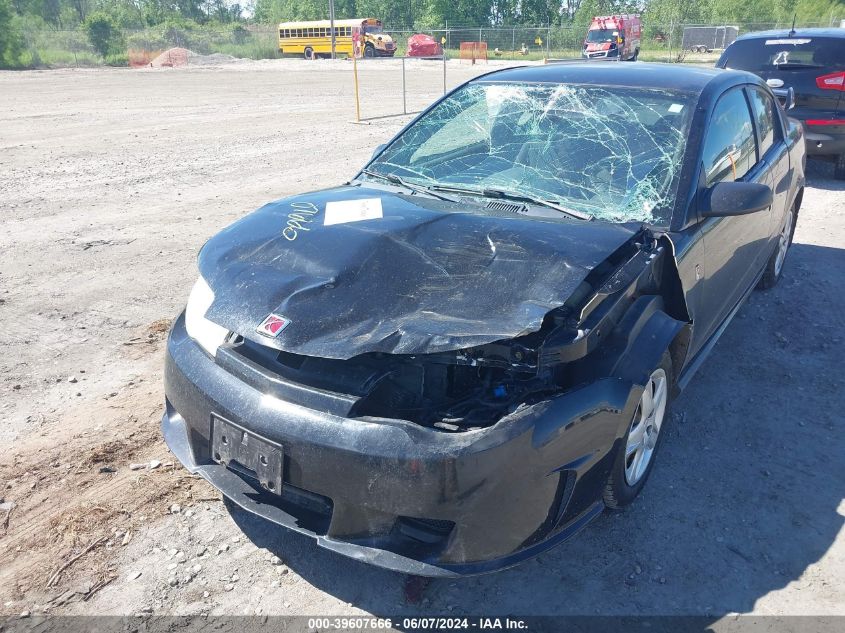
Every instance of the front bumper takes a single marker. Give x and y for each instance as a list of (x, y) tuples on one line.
[(609, 54), (399, 495)]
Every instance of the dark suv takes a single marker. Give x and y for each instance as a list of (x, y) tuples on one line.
[(812, 63)]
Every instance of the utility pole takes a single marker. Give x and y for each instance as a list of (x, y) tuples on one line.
[(331, 25)]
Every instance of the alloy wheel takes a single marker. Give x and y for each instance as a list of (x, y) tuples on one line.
[(783, 242), (645, 427)]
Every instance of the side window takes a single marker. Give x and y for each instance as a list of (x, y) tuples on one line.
[(766, 119), (730, 148)]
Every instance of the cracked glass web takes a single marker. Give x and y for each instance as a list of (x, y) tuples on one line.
[(612, 152)]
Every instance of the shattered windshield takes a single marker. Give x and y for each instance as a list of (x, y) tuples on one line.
[(611, 152)]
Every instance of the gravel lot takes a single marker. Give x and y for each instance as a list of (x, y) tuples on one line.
[(111, 180)]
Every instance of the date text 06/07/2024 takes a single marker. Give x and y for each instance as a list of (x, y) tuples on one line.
[(419, 623)]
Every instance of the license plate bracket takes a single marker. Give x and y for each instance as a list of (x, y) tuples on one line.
[(238, 449)]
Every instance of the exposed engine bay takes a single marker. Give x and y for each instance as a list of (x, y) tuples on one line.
[(474, 387)]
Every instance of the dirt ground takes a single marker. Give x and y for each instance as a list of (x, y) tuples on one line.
[(111, 180)]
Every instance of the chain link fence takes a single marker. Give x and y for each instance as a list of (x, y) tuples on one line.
[(660, 42)]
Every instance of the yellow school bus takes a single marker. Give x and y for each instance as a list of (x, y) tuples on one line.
[(314, 39)]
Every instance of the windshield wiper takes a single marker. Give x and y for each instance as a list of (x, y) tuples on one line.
[(398, 180), (492, 192)]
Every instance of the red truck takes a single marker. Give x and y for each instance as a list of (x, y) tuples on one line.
[(613, 37)]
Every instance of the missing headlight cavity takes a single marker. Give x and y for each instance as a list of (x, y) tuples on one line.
[(474, 387)]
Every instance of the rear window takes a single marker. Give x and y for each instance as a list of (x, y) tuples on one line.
[(786, 52)]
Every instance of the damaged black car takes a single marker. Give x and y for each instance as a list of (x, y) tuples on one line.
[(457, 359)]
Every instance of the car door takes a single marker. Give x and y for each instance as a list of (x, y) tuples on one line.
[(773, 151), (735, 247)]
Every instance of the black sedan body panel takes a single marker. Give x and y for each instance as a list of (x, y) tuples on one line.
[(449, 386), (507, 489), (446, 278)]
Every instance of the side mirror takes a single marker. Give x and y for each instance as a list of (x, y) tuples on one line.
[(377, 151), (725, 199), (786, 96)]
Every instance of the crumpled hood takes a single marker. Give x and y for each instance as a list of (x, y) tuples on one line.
[(591, 47), (426, 276)]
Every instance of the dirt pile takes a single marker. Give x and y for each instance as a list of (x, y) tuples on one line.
[(178, 57), (171, 58)]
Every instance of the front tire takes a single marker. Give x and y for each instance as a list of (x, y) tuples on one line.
[(635, 459), (309, 53), (369, 51), (774, 267)]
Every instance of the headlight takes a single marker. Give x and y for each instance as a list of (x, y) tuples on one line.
[(208, 335)]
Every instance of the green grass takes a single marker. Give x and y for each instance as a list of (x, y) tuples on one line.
[(534, 54), (257, 46), (46, 48), (647, 55), (52, 49), (58, 58)]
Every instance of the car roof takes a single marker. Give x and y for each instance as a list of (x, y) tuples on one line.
[(786, 33), (674, 77)]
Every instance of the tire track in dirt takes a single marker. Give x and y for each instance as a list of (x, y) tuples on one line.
[(74, 488)]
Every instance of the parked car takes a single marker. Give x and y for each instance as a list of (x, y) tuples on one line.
[(422, 45), (812, 63), (613, 37), (459, 358)]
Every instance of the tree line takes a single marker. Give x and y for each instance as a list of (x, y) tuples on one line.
[(104, 21), (438, 13), (62, 14)]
